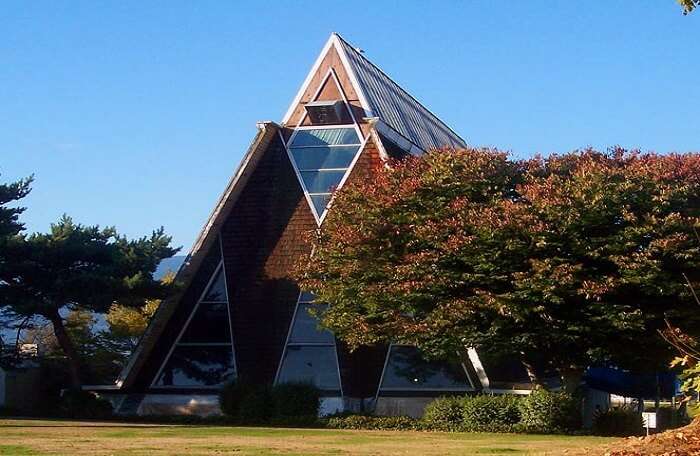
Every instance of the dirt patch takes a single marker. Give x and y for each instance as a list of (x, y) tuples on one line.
[(683, 441)]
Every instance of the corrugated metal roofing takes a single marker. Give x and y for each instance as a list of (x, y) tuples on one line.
[(396, 107)]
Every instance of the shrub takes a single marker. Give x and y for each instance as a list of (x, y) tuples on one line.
[(295, 400), (83, 404), (445, 414), (490, 413), (246, 402), (374, 423), (549, 412), (618, 422)]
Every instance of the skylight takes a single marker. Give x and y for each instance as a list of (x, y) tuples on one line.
[(322, 157)]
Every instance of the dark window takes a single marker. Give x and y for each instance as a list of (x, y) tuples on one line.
[(310, 353), (407, 370), (197, 366), (203, 354), (217, 289), (312, 364), (209, 324)]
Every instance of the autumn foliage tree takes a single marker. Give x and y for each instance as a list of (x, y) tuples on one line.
[(578, 257)]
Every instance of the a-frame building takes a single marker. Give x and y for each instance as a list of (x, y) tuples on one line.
[(240, 314)]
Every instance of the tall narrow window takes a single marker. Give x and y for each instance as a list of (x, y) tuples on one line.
[(406, 370), (203, 353), (310, 353), (322, 157)]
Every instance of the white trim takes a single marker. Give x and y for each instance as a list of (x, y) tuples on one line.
[(219, 268), (347, 105), (307, 81), (286, 340), (351, 75), (479, 369), (348, 170), (228, 308), (313, 97), (193, 259), (299, 178), (381, 377), (343, 180), (392, 135), (333, 40)]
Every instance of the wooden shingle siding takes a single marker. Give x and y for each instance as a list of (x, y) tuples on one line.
[(265, 235)]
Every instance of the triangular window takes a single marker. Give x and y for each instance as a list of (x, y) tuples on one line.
[(310, 353), (407, 370), (203, 353), (322, 157)]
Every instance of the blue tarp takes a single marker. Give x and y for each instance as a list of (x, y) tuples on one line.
[(623, 383)]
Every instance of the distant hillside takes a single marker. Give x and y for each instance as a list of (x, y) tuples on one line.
[(169, 264)]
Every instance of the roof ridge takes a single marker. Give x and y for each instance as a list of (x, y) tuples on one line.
[(432, 114)]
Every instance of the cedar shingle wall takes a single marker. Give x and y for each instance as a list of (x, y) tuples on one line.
[(262, 239)]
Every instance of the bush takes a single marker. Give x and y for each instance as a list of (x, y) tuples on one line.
[(547, 412), (83, 404), (246, 402), (490, 413), (295, 400), (374, 423), (618, 422), (445, 414)]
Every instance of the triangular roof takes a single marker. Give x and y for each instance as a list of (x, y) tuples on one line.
[(383, 98), (394, 113)]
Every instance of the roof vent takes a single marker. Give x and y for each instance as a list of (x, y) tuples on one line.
[(325, 112)]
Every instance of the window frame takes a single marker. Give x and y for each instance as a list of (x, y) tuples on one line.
[(299, 127), (288, 343), (469, 385), (221, 267)]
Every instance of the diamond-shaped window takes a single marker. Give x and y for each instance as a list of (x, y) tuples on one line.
[(322, 157)]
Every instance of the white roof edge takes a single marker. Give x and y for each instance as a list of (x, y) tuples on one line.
[(333, 40), (125, 377), (351, 74)]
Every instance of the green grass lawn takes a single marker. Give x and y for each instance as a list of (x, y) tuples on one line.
[(40, 437)]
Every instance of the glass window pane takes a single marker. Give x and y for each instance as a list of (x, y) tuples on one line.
[(320, 203), (209, 324), (325, 136), (217, 289), (407, 370), (315, 365), (321, 181), (198, 366), (324, 157), (305, 329)]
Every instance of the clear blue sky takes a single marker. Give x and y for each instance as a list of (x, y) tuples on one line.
[(135, 114)]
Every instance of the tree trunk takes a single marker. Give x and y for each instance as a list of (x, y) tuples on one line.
[(571, 379), (68, 348)]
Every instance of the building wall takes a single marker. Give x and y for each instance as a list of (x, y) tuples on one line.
[(265, 235)]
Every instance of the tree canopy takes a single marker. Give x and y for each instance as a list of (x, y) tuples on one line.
[(579, 256), (79, 268), (688, 5)]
